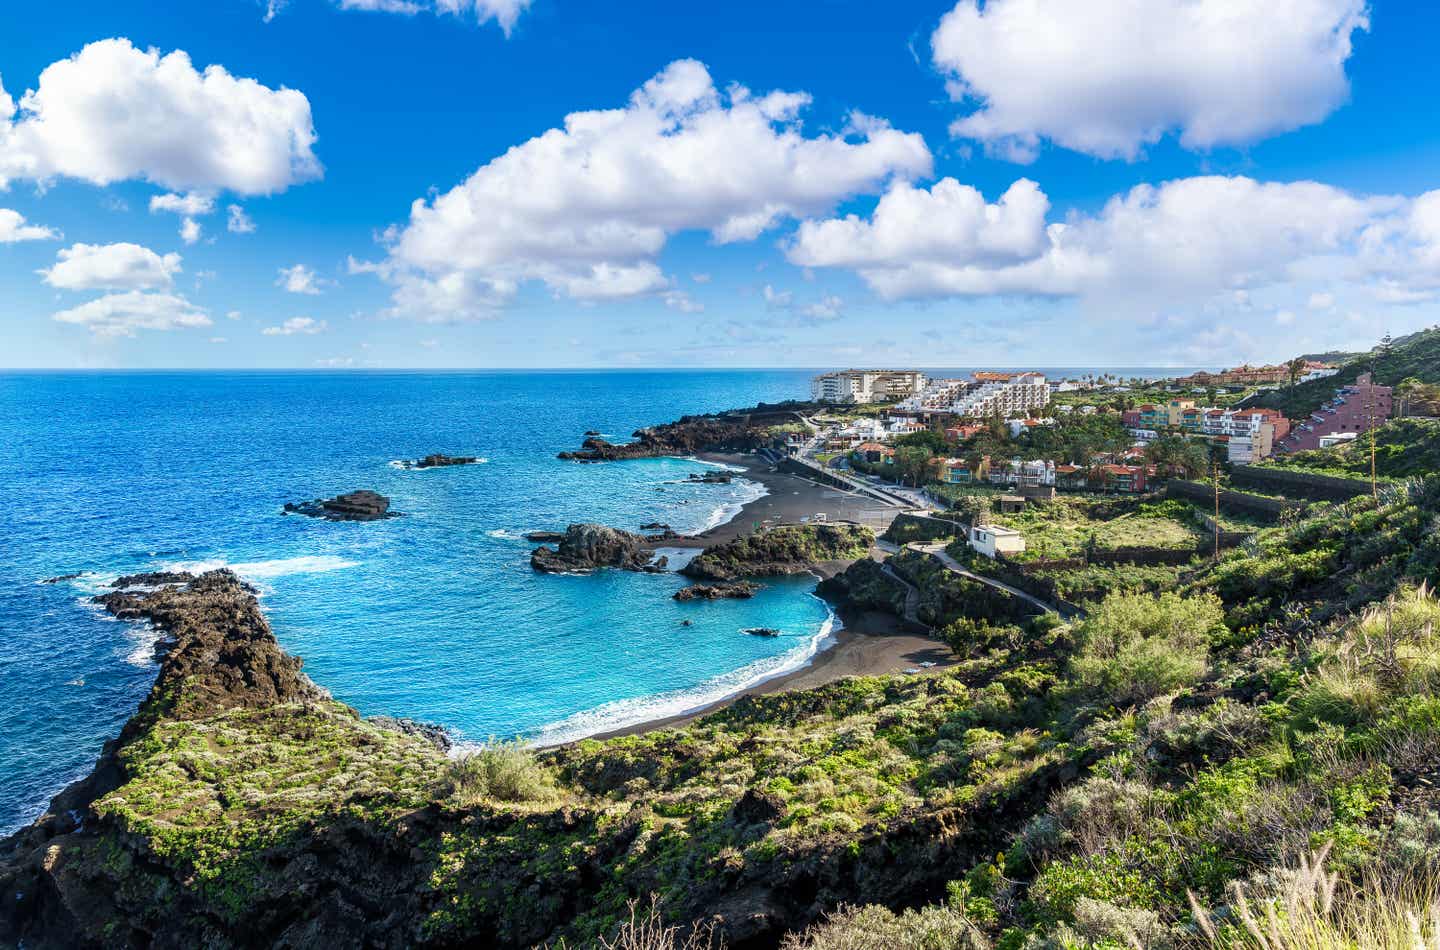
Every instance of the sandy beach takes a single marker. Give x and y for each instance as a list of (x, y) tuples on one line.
[(866, 644)]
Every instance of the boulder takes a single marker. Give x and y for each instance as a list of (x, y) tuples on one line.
[(742, 590), (586, 547), (440, 461), (363, 505)]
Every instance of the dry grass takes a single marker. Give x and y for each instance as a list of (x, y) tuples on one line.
[(1310, 908)]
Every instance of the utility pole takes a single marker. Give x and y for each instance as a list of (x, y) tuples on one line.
[(1215, 475)]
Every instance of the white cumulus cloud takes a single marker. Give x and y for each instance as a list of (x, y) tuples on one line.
[(121, 266), (587, 208), (190, 205), (13, 229), (122, 314), (301, 325), (504, 12), (1108, 77), (1148, 250), (299, 280), (237, 221), (113, 112), (190, 230)]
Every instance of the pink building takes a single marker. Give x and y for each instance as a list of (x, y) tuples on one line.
[(1357, 408)]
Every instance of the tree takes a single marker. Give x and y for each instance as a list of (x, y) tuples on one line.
[(929, 439), (973, 508), (1177, 455), (1294, 369), (912, 464)]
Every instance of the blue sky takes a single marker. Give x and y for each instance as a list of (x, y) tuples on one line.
[(1173, 182)]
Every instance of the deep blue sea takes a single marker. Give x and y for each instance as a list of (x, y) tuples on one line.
[(436, 615)]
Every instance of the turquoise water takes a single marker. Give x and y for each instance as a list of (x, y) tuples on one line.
[(436, 615)]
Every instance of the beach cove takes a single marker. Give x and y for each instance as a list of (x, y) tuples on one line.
[(434, 615)]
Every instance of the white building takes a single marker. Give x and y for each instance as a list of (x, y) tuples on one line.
[(984, 394), (1022, 474), (992, 540), (1003, 394), (937, 396), (1337, 438), (866, 385)]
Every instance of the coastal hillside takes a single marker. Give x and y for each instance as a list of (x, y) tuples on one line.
[(1105, 782), (1416, 357), (1404, 448)]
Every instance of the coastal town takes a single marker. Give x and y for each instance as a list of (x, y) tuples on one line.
[(926, 440)]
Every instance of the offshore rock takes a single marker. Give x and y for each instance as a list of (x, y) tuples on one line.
[(587, 547), (153, 579), (742, 590), (440, 461), (363, 505)]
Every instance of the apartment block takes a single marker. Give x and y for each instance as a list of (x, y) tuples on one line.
[(866, 385), (1357, 408)]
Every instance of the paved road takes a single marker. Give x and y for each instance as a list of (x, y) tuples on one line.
[(912, 596), (938, 550)]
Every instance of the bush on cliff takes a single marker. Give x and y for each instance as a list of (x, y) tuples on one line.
[(503, 771), (1134, 647)]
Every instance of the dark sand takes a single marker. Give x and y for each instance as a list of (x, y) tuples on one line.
[(791, 499), (869, 644)]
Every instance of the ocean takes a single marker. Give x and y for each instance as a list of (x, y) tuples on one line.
[(436, 615)]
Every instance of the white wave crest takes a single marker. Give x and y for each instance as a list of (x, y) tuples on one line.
[(266, 570), (506, 534), (623, 713), (727, 512)]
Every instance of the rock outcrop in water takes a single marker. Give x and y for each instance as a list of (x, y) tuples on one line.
[(441, 461), (587, 547), (787, 549), (742, 430), (363, 505), (741, 590)]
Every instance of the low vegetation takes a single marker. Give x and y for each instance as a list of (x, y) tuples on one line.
[(786, 549), (1242, 752)]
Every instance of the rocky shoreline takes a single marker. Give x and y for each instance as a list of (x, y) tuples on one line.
[(742, 430)]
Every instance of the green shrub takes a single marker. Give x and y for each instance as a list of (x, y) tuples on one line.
[(940, 927), (502, 771), (1134, 647)]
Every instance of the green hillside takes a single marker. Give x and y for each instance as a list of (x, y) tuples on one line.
[(1416, 356)]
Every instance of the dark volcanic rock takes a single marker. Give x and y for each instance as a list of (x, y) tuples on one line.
[(440, 461), (710, 478), (586, 547), (757, 807), (431, 733), (363, 505), (545, 537), (655, 526), (739, 591), (62, 578), (153, 579), (761, 631), (786, 549), (741, 430)]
